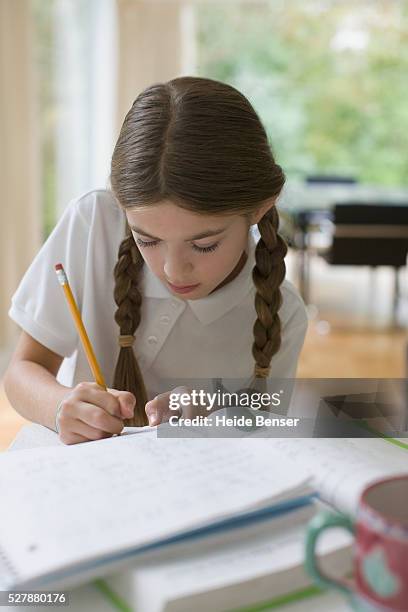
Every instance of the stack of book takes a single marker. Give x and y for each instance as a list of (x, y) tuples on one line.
[(177, 524)]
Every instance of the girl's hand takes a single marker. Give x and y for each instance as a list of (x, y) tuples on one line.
[(159, 409), (89, 412)]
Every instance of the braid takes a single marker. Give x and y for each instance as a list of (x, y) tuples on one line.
[(268, 274), (128, 376)]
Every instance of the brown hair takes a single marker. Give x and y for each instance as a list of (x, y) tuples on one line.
[(200, 144)]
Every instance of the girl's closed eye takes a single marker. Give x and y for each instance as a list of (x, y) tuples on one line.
[(196, 247), (205, 249), (146, 243)]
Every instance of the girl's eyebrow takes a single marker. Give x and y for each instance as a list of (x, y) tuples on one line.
[(204, 234)]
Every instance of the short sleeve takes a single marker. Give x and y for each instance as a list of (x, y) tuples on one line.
[(39, 306)]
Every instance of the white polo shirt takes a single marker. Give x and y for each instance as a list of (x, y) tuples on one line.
[(177, 339)]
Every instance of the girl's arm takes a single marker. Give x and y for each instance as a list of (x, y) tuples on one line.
[(30, 381), (87, 412)]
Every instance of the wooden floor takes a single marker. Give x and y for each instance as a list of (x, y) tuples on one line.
[(353, 354), (351, 333)]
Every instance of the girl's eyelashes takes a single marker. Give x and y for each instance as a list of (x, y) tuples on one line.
[(206, 249), (146, 243), (151, 243)]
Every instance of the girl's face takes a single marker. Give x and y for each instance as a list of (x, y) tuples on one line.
[(191, 254)]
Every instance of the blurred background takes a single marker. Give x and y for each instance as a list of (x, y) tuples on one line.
[(327, 78)]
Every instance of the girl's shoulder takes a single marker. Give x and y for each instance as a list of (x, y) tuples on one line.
[(96, 204)]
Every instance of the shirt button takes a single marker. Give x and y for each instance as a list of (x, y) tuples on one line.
[(164, 319), (152, 340)]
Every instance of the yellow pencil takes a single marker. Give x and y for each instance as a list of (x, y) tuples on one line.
[(96, 371)]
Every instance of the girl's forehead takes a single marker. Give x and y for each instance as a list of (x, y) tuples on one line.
[(170, 219)]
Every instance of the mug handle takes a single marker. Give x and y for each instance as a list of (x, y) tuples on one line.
[(325, 520)]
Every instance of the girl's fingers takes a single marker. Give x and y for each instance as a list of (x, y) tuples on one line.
[(72, 438), (127, 402), (158, 410), (94, 394), (88, 432), (162, 407), (98, 418)]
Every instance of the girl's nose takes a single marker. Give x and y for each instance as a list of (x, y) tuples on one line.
[(178, 270)]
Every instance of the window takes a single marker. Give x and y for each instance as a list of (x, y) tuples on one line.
[(327, 78), (76, 58)]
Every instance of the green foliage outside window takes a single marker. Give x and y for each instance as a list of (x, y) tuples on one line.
[(329, 79)]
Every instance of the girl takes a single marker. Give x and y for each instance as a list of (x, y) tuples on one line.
[(168, 254)]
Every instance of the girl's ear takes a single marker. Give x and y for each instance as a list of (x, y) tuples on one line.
[(257, 216)]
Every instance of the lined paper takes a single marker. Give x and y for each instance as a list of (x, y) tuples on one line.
[(64, 504)]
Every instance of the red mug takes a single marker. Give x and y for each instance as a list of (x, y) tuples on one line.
[(380, 550)]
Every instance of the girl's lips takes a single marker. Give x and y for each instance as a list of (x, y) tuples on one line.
[(184, 289)]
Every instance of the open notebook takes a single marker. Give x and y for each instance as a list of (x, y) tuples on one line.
[(268, 563), (71, 513), (343, 467), (68, 514)]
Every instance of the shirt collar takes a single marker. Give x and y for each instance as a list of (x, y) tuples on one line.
[(215, 305)]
